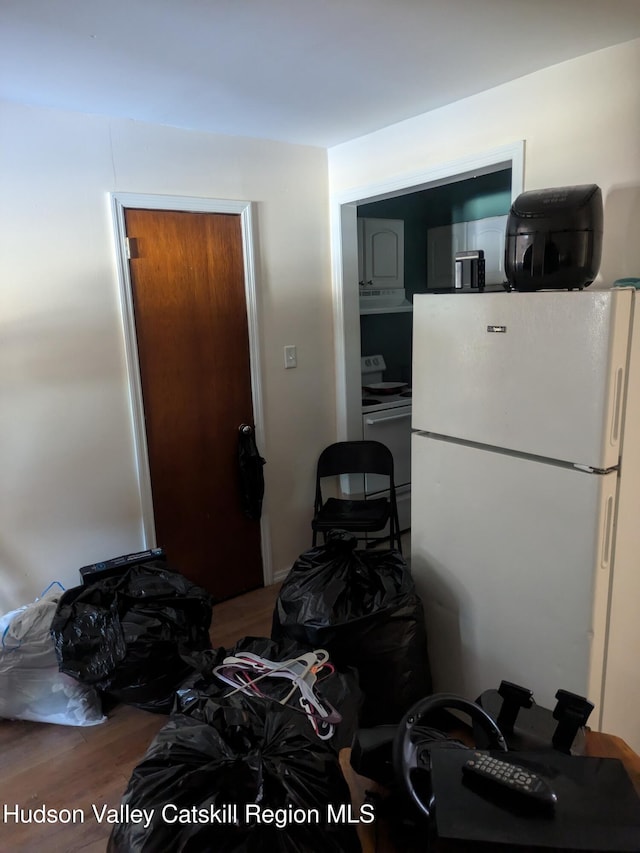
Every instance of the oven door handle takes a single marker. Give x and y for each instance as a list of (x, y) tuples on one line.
[(374, 421)]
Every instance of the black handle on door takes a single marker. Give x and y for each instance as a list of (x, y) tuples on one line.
[(250, 465)]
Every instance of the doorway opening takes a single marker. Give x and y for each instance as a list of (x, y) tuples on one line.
[(197, 246), (500, 168)]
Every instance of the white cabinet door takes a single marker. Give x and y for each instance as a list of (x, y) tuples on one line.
[(489, 235), (383, 252)]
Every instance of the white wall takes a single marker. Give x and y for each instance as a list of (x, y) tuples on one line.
[(69, 492), (581, 124)]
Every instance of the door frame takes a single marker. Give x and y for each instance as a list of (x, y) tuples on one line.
[(344, 240), (245, 210)]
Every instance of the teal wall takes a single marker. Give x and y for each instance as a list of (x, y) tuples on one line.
[(474, 198), (462, 201), (389, 335)]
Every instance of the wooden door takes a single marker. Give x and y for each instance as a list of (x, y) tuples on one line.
[(187, 278)]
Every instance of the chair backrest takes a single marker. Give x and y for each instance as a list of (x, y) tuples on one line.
[(356, 457), (359, 457)]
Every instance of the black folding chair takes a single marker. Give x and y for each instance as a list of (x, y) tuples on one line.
[(356, 516)]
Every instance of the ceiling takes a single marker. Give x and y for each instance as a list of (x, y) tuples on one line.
[(315, 72)]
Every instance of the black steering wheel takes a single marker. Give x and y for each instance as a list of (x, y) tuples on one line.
[(410, 754)]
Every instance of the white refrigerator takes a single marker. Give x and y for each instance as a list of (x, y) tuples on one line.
[(525, 523)]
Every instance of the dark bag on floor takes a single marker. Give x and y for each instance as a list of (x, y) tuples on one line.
[(126, 635), (223, 752), (363, 608)]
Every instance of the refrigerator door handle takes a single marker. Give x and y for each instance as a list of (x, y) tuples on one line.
[(607, 537), (617, 406)]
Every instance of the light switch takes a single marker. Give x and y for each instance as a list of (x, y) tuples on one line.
[(290, 357)]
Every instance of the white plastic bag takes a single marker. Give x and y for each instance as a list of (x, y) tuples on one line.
[(31, 687)]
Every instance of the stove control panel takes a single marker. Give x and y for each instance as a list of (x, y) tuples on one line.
[(372, 363)]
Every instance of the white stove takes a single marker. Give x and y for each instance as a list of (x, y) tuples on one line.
[(379, 402), (387, 418), (374, 399)]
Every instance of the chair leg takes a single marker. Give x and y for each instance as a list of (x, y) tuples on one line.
[(396, 536), (396, 539)]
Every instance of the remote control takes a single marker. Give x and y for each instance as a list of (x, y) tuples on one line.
[(511, 777)]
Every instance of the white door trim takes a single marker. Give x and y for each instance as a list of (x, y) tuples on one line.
[(344, 240), (119, 201)]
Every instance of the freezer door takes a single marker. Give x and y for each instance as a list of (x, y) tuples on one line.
[(511, 558), (540, 373)]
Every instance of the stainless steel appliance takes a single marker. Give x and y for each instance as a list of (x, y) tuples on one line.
[(469, 270)]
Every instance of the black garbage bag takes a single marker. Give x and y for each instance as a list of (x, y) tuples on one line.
[(362, 606), (237, 774), (127, 635)]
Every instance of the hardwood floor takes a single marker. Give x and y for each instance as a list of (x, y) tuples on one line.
[(77, 767)]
